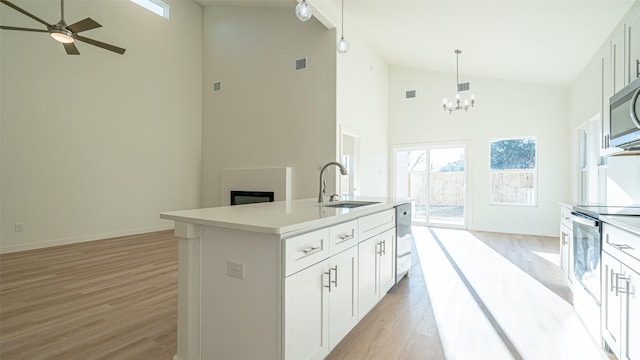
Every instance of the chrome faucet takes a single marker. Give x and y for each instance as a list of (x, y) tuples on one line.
[(323, 184)]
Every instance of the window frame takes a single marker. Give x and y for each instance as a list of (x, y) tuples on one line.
[(164, 7), (533, 171)]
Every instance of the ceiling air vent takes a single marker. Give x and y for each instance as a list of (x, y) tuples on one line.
[(301, 64), (410, 94), (216, 86)]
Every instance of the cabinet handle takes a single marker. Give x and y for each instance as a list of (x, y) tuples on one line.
[(638, 68), (328, 286), (379, 243), (311, 249), (625, 289), (384, 247), (335, 272), (614, 281), (621, 246), (345, 237)]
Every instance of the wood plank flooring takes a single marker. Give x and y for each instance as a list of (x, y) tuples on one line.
[(117, 299), (106, 299)]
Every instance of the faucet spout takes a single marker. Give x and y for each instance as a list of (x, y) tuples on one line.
[(323, 186)]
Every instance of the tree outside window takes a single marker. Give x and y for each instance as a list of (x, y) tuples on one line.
[(513, 171)]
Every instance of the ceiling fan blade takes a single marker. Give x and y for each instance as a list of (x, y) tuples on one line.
[(22, 29), (71, 49), (83, 25), (100, 44), (15, 7)]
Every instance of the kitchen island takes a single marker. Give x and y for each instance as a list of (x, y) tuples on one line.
[(279, 280)]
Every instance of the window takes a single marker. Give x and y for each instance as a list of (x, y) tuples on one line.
[(155, 6), (513, 171)]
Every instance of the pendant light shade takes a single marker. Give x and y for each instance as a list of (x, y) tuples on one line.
[(303, 11), (343, 45)]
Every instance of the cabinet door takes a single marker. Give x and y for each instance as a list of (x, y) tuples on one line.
[(631, 315), (607, 92), (565, 240), (343, 296), (617, 59), (634, 48), (387, 261), (368, 287), (306, 313), (611, 311)]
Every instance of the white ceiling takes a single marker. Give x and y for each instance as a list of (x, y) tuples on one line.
[(544, 41)]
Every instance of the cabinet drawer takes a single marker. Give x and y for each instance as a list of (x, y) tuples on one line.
[(376, 223), (623, 245), (343, 236), (305, 250), (565, 217)]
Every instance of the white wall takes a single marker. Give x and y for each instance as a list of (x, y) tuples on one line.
[(504, 109), (362, 100), (267, 114), (97, 145), (585, 102)]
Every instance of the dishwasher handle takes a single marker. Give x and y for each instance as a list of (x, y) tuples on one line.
[(584, 220)]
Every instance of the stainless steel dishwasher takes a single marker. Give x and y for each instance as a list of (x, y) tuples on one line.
[(404, 238)]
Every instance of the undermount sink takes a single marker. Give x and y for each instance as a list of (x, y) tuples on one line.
[(348, 204)]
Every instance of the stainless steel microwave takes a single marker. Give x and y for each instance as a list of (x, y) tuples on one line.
[(624, 114)]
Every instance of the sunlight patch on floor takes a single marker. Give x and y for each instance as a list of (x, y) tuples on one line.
[(535, 322)]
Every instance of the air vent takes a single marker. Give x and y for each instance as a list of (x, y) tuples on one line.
[(216, 86), (410, 94), (463, 86), (301, 64)]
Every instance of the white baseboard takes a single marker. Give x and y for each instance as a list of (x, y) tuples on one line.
[(80, 239)]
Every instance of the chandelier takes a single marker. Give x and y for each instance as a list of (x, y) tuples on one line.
[(459, 104)]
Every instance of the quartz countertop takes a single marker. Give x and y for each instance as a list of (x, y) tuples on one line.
[(281, 217), (629, 223)]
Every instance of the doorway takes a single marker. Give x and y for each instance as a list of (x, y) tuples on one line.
[(350, 158), (435, 177)]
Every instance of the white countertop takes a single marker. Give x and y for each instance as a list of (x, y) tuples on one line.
[(629, 223), (280, 217)]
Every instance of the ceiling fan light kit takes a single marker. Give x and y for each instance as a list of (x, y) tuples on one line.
[(63, 33)]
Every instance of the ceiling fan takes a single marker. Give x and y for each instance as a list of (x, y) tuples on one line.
[(63, 33)]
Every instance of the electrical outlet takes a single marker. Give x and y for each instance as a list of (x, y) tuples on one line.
[(235, 270), (18, 227)]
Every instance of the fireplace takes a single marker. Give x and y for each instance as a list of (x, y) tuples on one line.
[(240, 197)]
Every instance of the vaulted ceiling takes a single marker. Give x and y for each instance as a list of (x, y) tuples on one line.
[(545, 41)]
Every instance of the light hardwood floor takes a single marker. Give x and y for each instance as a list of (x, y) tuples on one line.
[(107, 299), (117, 299)]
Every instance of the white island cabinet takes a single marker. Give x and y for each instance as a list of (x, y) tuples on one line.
[(276, 280)]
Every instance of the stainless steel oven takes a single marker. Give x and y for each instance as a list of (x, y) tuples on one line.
[(587, 244)]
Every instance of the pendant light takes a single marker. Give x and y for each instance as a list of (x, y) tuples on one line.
[(459, 103), (343, 45), (303, 11)]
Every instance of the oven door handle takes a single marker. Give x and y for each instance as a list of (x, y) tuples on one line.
[(585, 220)]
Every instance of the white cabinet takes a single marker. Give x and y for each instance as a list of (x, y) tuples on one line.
[(607, 92), (617, 59), (633, 35), (376, 269), (320, 290), (620, 285), (306, 313), (566, 242), (343, 295), (320, 306)]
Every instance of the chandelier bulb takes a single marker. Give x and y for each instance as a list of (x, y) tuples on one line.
[(303, 11)]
